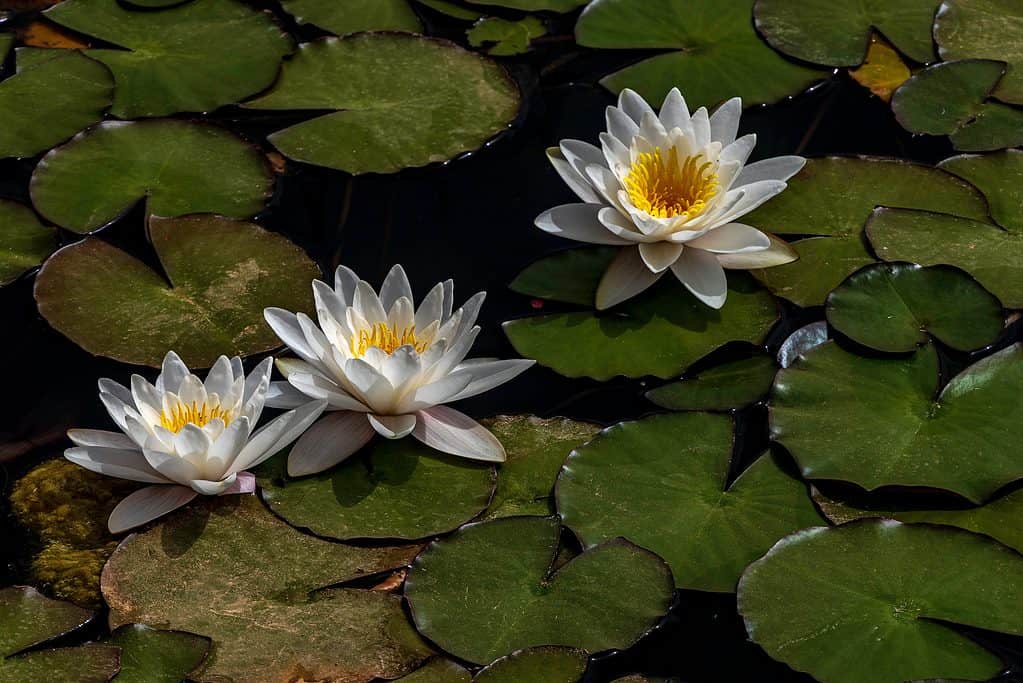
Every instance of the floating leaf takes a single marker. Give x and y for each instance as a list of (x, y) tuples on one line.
[(488, 589), (662, 483), (882, 71), (342, 17), (897, 307), (545, 663), (451, 9), (833, 197), (838, 34), (221, 273), (505, 37), (876, 422), (152, 656), (988, 29), (797, 344), (571, 275), (178, 167), (24, 241), (402, 100), (1000, 177), (533, 5), (229, 570), (707, 39), (873, 601), (6, 43), (44, 33), (730, 385), (193, 57), (439, 670), (153, 4)]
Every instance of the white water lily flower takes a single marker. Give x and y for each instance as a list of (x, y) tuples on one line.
[(669, 188), (385, 366), (185, 436)]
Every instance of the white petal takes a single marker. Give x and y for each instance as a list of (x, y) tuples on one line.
[(738, 150), (345, 282), (470, 310), (147, 504), (778, 254), (147, 400), (724, 123), (620, 125), (392, 426), (453, 355), (371, 387), (401, 366), (633, 105), (577, 222), (100, 438), (653, 132), (621, 225), (431, 308), (581, 154), (227, 446), (452, 432), (754, 195), (626, 277), (116, 462), (255, 389), (119, 391), (616, 155), (701, 128), (277, 434), (328, 442), (734, 238), (367, 303), (209, 487), (436, 392), (491, 373), (331, 311), (702, 275), (172, 372), (283, 395), (192, 444), (775, 168), (674, 112), (285, 326), (396, 285), (220, 378), (449, 298), (318, 387), (658, 256)]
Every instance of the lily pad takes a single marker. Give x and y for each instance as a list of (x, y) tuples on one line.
[(707, 39), (876, 600), (833, 198), (876, 422), (990, 254), (988, 29), (730, 385), (897, 307), (533, 5), (342, 17), (451, 9), (799, 343), (152, 656), (49, 99), (227, 569), (882, 71), (505, 37), (220, 275), (6, 43), (951, 99), (571, 276), (837, 34), (193, 57), (24, 241), (29, 619), (545, 663), (399, 100), (662, 482), (177, 167), (1000, 177), (439, 670), (488, 589), (659, 333)]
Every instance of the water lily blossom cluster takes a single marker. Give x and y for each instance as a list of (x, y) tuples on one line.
[(185, 436), (668, 188), (385, 366)]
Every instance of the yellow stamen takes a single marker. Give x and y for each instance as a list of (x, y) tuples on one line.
[(662, 187), (199, 414), (386, 338)]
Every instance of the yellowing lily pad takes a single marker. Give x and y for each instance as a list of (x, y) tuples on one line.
[(24, 241), (1000, 177), (398, 100), (549, 664), (222, 274), (152, 656), (730, 385), (882, 71), (986, 29), (342, 17)]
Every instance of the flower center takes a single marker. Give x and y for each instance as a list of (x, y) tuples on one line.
[(658, 184), (386, 338), (198, 414)]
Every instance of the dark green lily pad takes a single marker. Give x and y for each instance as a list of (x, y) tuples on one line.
[(342, 17), (951, 99), (1000, 177), (838, 33), (178, 167), (875, 601), (401, 100), (194, 57), (152, 656), (991, 255), (24, 241), (505, 37), (6, 43), (707, 39), (833, 198), (661, 482), (439, 670), (451, 9), (28, 619), (396, 489), (153, 4), (797, 344), (49, 99), (897, 307), (533, 5), (222, 275), (549, 664), (730, 385), (660, 332), (227, 569), (571, 275), (876, 422), (988, 29), (488, 589)]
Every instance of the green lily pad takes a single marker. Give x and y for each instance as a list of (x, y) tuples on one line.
[(178, 167), (661, 482), (833, 198), (28, 619), (439, 670), (988, 29), (153, 4), (876, 422), (397, 489), (838, 34), (1000, 177), (222, 274), (152, 656), (549, 664), (6, 43), (951, 99), (571, 275), (797, 344), (533, 5), (342, 17), (994, 257), (505, 37), (897, 307), (488, 589), (194, 57), (401, 100), (227, 569), (707, 39), (49, 99), (730, 385), (24, 241), (451, 9), (874, 601), (660, 332)]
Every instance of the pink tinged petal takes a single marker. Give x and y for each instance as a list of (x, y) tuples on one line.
[(431, 308), (734, 238), (396, 285), (147, 504), (700, 273), (220, 378), (208, 487), (776, 168), (450, 431), (328, 442), (392, 426), (116, 462), (283, 395), (626, 277), (577, 222), (620, 125), (491, 373), (674, 112), (245, 482), (285, 326), (724, 122), (778, 254), (320, 388), (345, 282), (172, 371), (276, 434), (658, 256)]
